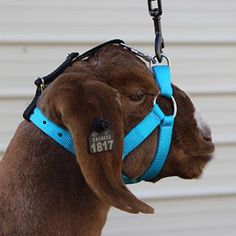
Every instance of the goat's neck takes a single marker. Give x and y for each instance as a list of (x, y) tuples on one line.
[(52, 179)]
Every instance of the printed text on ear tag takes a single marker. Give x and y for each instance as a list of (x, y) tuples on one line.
[(101, 141)]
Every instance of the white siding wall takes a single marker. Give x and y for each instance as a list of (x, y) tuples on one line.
[(35, 37)]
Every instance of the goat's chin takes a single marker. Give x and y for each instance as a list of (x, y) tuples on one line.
[(196, 167)]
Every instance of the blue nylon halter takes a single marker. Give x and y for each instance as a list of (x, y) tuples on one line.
[(136, 136)]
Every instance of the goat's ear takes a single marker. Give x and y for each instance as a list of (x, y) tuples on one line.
[(78, 108)]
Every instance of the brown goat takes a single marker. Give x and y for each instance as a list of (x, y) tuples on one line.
[(44, 190)]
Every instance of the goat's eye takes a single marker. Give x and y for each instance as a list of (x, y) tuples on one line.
[(137, 97)]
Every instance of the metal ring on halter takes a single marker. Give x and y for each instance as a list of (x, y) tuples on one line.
[(173, 103), (166, 57)]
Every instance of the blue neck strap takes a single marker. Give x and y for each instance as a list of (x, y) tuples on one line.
[(136, 136)]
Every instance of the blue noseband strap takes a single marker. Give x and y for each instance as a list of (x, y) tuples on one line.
[(155, 118), (135, 137)]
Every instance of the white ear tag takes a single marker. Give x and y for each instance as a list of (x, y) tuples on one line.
[(101, 142), (101, 139)]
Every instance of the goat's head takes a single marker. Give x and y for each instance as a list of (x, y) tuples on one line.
[(114, 84)]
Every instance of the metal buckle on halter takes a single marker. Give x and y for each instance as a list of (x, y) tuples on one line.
[(40, 83), (42, 86)]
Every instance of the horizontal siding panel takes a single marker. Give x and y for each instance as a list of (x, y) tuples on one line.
[(209, 216), (189, 20), (10, 115), (220, 113), (197, 216), (194, 68), (29, 63)]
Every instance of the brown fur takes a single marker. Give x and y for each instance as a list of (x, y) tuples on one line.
[(44, 190)]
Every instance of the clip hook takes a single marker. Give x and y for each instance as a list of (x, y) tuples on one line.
[(155, 13), (159, 45)]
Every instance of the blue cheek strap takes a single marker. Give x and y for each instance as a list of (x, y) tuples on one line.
[(136, 136)]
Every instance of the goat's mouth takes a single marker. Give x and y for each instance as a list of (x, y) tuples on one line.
[(197, 163), (205, 150), (206, 157), (203, 160)]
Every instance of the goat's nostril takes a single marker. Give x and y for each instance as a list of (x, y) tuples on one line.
[(206, 133), (207, 138)]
